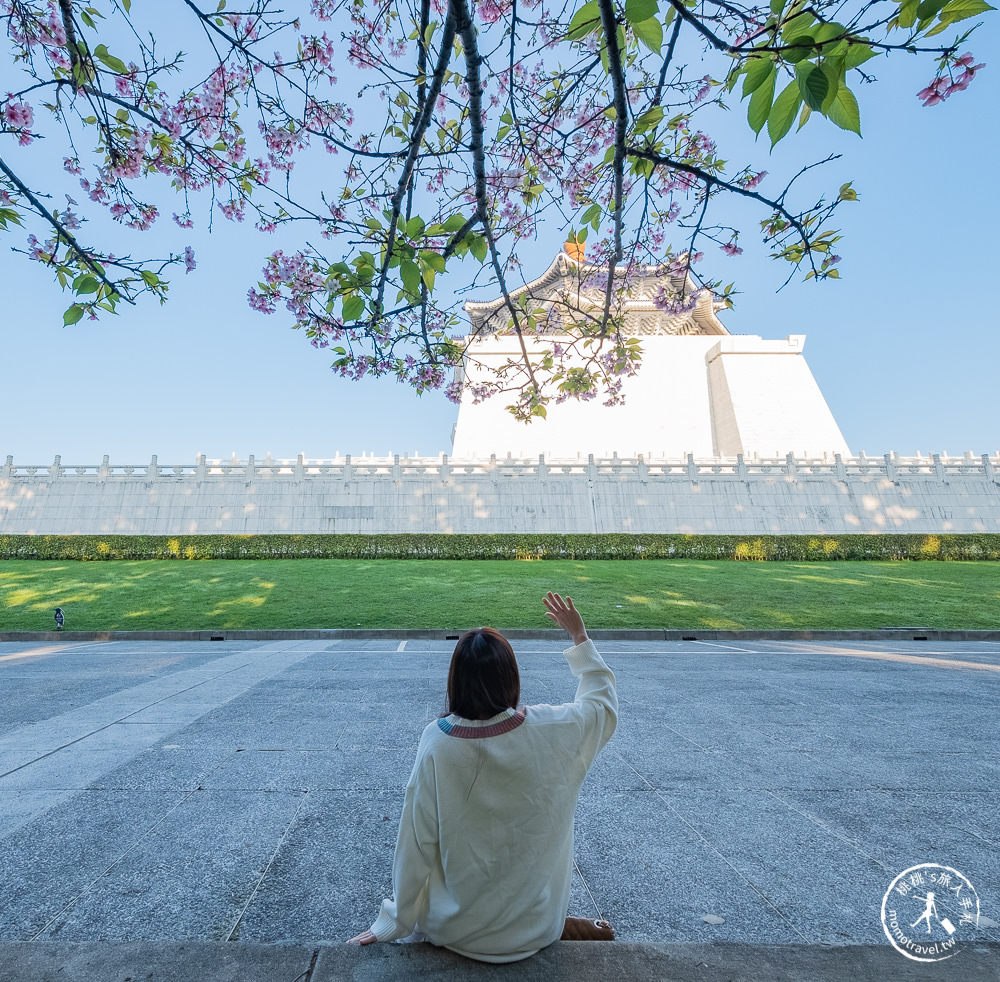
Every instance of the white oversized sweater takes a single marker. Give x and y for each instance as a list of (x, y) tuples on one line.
[(484, 855)]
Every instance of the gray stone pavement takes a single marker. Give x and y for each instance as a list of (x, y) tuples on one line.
[(216, 810)]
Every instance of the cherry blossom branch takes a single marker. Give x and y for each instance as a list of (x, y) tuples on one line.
[(668, 58), (459, 10), (420, 124), (711, 180), (610, 26), (64, 234)]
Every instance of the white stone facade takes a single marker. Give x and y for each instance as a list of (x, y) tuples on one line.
[(393, 494), (700, 390), (697, 394)]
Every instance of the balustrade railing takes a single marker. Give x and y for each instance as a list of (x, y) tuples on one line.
[(395, 467)]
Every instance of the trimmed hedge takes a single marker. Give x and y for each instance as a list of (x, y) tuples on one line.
[(979, 546)]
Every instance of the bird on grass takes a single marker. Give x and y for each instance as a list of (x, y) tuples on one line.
[(59, 618)]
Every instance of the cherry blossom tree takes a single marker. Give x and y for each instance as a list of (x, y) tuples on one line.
[(448, 131)]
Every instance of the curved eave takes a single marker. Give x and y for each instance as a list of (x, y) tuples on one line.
[(479, 312), (558, 268)]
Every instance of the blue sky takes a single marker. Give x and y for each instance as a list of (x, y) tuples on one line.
[(904, 347)]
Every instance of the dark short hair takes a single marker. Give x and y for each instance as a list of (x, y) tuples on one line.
[(483, 679)]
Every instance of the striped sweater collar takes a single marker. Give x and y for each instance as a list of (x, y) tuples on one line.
[(473, 729)]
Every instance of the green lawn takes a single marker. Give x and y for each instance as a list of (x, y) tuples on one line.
[(452, 595)]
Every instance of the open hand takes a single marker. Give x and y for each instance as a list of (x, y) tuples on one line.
[(365, 937), (566, 616)]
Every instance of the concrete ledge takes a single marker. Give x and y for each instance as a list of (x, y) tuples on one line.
[(539, 634), (579, 962)]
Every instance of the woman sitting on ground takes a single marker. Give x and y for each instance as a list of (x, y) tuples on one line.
[(484, 855)]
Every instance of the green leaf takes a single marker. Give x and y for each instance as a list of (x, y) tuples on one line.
[(760, 105), (803, 46), (636, 11), (650, 33), (847, 193), (907, 13), (478, 247), (833, 69), (127, 4), (804, 117), (72, 315), (961, 9), (857, 54), (843, 110), (150, 278), (758, 70), (415, 227), (410, 274), (9, 216), (122, 115), (783, 112), (592, 217), (115, 64), (432, 260), (929, 8), (454, 222), (813, 84), (828, 31), (354, 307), (585, 21), (649, 119), (86, 284), (798, 24), (777, 6)]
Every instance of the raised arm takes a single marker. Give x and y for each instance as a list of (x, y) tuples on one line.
[(596, 702)]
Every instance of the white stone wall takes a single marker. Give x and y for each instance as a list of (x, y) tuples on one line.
[(696, 394), (789, 495), (666, 411), (766, 401)]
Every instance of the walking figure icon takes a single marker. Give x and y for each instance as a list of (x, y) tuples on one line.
[(930, 910)]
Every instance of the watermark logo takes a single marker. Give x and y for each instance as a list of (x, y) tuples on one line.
[(927, 910)]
